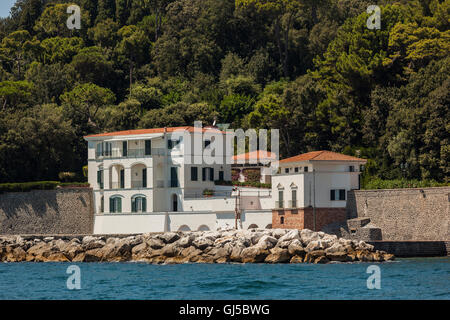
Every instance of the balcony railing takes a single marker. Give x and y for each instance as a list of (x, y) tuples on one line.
[(201, 195), (137, 184), (279, 204), (131, 153), (292, 203)]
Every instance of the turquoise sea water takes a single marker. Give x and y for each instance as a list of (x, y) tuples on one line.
[(421, 278)]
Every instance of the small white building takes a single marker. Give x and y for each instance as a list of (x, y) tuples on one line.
[(310, 189)]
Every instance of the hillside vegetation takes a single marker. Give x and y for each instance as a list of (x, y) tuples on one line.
[(310, 68)]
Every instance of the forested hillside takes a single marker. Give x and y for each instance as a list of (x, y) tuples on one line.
[(310, 68)]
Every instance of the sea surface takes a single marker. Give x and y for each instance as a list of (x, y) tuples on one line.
[(418, 278)]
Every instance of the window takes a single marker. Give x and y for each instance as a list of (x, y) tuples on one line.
[(122, 178), (211, 174), (194, 174), (351, 168), (144, 178), (296, 169), (104, 149), (207, 143), (100, 178), (148, 147), (280, 198), (305, 169), (102, 204), (281, 220), (115, 205), (174, 177), (342, 194), (221, 176), (124, 148), (203, 174), (294, 198), (286, 170), (337, 195), (138, 204)]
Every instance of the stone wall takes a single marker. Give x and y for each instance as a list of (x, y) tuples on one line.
[(414, 248), (404, 214), (304, 218), (61, 211)]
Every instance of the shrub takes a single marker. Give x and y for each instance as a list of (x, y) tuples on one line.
[(377, 183), (67, 176), (38, 185)]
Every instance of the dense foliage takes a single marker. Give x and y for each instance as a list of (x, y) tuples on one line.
[(310, 68)]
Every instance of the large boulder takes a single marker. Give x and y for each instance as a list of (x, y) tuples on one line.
[(168, 237), (155, 243), (290, 235), (254, 254), (267, 242), (203, 243), (308, 235), (295, 248), (186, 240), (278, 255)]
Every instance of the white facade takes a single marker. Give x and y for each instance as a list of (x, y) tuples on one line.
[(155, 181), (320, 184)]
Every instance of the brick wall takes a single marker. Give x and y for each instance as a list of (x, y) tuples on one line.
[(304, 218), (404, 214), (61, 211)]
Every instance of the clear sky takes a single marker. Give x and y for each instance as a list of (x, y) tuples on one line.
[(5, 6)]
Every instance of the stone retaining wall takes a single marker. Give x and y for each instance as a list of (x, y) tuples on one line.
[(414, 248), (404, 214), (60, 211)]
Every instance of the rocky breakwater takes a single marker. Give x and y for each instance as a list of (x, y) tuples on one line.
[(239, 246)]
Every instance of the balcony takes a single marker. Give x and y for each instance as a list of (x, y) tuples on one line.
[(131, 153), (292, 203), (137, 184), (279, 204)]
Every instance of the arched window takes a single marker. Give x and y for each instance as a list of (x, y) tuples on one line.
[(138, 204), (102, 204), (115, 204), (184, 228)]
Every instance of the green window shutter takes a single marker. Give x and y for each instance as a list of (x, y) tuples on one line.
[(111, 205), (194, 173), (204, 174), (342, 194), (332, 195), (148, 147), (144, 205), (122, 179), (211, 174), (119, 205), (144, 178), (124, 148), (221, 176), (133, 205)]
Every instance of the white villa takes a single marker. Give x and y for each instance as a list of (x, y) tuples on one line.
[(154, 180)]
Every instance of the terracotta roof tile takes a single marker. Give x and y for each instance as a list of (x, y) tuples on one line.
[(146, 131), (322, 156), (258, 155)]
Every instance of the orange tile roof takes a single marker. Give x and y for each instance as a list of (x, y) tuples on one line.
[(255, 155), (147, 131), (322, 156)]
